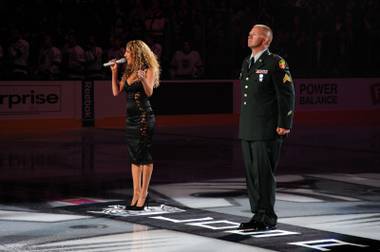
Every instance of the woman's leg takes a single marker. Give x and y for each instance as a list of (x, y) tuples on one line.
[(136, 177), (146, 175)]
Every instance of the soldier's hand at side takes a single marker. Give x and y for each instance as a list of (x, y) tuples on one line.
[(282, 131)]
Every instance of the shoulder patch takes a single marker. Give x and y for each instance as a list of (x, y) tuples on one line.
[(282, 64)]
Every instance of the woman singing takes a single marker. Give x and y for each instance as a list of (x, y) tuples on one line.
[(141, 76)]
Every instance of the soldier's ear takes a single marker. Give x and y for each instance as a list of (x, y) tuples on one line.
[(267, 41)]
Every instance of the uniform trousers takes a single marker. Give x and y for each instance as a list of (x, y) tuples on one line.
[(260, 160)]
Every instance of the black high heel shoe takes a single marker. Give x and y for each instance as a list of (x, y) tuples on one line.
[(140, 208), (130, 207)]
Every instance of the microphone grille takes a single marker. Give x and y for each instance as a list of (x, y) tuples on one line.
[(122, 60)]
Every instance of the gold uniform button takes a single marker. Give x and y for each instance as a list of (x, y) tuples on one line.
[(247, 78), (245, 95), (246, 86), (245, 103)]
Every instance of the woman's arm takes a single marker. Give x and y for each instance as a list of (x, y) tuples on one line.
[(117, 87)]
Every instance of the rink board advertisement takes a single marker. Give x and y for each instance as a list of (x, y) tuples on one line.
[(65, 99), (337, 94), (40, 99)]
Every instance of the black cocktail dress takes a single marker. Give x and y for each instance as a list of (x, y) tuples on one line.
[(140, 122)]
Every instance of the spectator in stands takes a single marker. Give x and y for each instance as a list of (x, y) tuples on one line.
[(218, 37), (186, 63), (18, 55), (136, 19), (49, 60), (117, 50), (155, 21), (154, 46), (181, 23), (73, 58), (94, 57)]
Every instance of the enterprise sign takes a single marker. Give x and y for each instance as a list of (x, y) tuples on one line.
[(27, 99)]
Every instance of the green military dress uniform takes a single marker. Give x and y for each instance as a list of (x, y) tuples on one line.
[(267, 102)]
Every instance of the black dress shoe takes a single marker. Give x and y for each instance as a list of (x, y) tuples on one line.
[(261, 226), (252, 224)]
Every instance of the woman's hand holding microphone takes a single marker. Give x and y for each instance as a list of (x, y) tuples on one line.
[(113, 66), (141, 75)]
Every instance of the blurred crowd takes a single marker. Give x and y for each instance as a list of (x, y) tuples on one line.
[(193, 39)]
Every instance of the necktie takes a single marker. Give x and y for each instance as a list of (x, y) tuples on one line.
[(251, 62)]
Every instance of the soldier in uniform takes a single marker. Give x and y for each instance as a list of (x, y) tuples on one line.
[(266, 114)]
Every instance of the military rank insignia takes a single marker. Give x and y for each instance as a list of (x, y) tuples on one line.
[(287, 78), (282, 64)]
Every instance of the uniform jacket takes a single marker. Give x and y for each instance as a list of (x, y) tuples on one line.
[(267, 97)]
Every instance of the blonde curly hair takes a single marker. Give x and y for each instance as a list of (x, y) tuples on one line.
[(143, 58)]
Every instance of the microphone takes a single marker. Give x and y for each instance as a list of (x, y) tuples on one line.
[(119, 61)]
